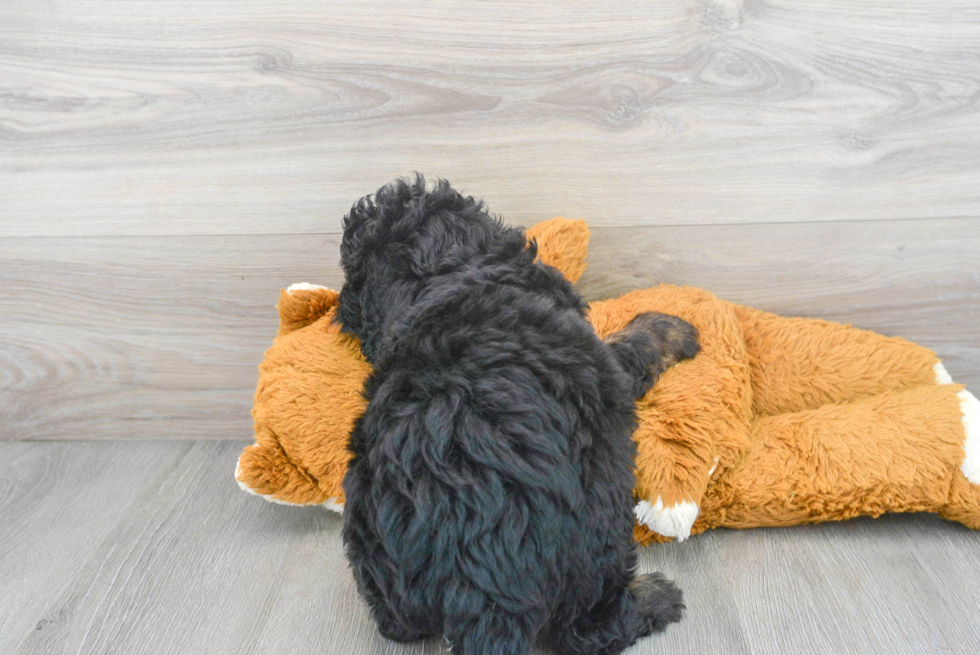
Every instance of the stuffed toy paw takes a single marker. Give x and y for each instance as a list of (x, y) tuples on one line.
[(777, 421)]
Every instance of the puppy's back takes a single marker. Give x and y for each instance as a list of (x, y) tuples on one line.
[(466, 496)]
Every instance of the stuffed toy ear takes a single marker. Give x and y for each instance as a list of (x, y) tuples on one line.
[(303, 303), (562, 243)]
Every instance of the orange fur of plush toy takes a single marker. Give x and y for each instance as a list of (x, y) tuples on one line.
[(778, 421)]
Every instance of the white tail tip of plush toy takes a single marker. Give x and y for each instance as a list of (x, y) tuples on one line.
[(970, 407), (675, 521)]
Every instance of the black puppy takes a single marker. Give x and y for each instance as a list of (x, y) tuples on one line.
[(490, 491)]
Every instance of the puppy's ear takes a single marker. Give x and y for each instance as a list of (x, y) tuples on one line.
[(352, 259), (302, 304), (350, 241), (349, 313)]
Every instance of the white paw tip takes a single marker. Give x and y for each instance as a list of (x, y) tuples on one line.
[(334, 505), (942, 376), (303, 286), (970, 407), (675, 521)]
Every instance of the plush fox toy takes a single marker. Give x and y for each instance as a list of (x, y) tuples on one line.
[(777, 421)]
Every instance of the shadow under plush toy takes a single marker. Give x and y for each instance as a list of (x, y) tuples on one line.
[(778, 421)]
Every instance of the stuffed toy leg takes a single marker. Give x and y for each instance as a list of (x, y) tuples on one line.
[(847, 423), (897, 452), (841, 422)]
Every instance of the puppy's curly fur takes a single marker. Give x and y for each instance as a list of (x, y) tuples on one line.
[(489, 495)]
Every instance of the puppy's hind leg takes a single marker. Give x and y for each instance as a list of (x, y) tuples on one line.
[(391, 628), (389, 624), (650, 344)]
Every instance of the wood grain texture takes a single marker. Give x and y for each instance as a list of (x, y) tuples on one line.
[(59, 506), (151, 338), (843, 574), (147, 338), (914, 279), (121, 118), (152, 548)]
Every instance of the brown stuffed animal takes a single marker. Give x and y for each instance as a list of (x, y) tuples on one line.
[(778, 421)]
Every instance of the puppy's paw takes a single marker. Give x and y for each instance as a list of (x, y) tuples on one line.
[(391, 629), (674, 338), (650, 344)]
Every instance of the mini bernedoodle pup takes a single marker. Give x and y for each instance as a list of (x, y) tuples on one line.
[(489, 496)]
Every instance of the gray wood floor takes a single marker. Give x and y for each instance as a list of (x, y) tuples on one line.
[(167, 167), (150, 547)]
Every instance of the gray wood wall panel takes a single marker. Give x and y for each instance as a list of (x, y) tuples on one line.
[(149, 338), (210, 118)]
